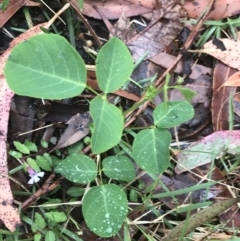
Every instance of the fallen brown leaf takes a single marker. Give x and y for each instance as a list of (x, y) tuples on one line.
[(146, 3), (161, 34), (202, 87), (222, 8), (165, 60), (12, 8), (77, 129), (220, 96), (112, 9), (225, 50), (206, 150)]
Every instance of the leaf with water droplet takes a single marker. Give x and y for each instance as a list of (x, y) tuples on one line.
[(119, 167), (171, 114), (114, 65), (104, 209), (151, 150), (78, 168), (108, 125)]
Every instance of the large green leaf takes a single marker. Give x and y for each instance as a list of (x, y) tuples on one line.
[(45, 66), (108, 125), (78, 168), (151, 150), (114, 65), (104, 209), (171, 114), (119, 167)]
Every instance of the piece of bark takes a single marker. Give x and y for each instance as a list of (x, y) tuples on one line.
[(8, 214)]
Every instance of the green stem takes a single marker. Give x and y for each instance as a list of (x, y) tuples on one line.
[(92, 90), (134, 107)]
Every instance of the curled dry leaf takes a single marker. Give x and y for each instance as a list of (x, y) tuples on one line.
[(77, 129), (220, 96), (233, 80)]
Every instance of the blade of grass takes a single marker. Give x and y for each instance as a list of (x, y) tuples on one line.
[(185, 190), (69, 17), (191, 207)]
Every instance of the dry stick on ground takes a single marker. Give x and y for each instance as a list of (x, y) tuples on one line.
[(47, 187), (8, 214), (159, 82)]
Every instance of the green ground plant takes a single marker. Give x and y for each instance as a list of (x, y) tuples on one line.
[(52, 69)]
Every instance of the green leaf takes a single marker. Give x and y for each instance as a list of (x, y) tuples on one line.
[(119, 167), (80, 4), (15, 154), (75, 148), (30, 145), (108, 125), (37, 237), (40, 221), (78, 168), (51, 69), (75, 191), (171, 114), (50, 236), (151, 150), (56, 216), (53, 203), (4, 5), (54, 160), (48, 157), (21, 147), (133, 195), (104, 209), (44, 144), (33, 164), (187, 93), (43, 163), (114, 65), (73, 235)]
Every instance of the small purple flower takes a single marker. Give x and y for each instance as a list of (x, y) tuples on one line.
[(34, 175)]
